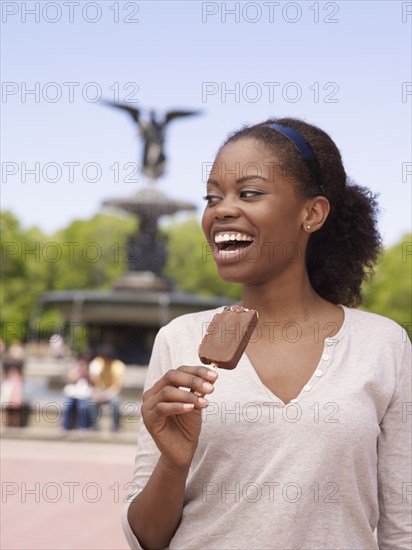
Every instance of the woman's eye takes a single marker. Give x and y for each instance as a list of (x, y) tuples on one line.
[(211, 199), (247, 194)]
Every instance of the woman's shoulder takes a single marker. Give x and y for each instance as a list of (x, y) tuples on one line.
[(373, 326)]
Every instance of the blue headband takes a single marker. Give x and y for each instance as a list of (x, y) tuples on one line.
[(304, 149)]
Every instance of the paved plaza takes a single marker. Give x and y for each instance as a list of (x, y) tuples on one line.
[(63, 494)]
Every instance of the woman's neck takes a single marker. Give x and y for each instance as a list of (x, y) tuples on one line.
[(285, 300)]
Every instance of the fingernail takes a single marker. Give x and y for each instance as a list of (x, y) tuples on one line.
[(203, 401), (211, 374), (188, 405), (207, 386)]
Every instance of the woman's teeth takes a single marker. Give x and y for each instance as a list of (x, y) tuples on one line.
[(228, 237)]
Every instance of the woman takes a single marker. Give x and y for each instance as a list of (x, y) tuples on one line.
[(78, 393), (305, 445)]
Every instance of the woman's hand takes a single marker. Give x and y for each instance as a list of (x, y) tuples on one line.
[(173, 415)]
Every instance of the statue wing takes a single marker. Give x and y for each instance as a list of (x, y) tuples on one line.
[(135, 113), (174, 114)]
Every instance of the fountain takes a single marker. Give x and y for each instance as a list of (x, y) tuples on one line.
[(142, 299)]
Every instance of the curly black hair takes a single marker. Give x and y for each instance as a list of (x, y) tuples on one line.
[(342, 254)]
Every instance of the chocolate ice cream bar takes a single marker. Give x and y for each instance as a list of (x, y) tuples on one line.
[(227, 337)]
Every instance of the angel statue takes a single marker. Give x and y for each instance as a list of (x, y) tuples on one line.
[(152, 132)]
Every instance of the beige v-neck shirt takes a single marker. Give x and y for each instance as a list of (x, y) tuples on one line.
[(322, 472)]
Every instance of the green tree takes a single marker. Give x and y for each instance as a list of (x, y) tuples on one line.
[(23, 275), (93, 252), (85, 254), (389, 292)]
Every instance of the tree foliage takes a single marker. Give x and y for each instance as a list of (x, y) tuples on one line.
[(91, 254), (85, 254), (389, 292), (23, 275)]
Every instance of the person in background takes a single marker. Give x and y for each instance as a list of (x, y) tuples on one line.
[(107, 374), (11, 388), (12, 392), (78, 395), (57, 346), (16, 350)]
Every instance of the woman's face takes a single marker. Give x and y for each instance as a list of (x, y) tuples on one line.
[(253, 219)]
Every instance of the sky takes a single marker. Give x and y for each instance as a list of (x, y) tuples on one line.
[(343, 66)]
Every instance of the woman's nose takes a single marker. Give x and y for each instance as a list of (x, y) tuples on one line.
[(227, 208)]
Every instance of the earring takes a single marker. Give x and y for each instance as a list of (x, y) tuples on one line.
[(308, 227)]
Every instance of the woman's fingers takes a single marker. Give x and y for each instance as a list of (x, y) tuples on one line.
[(169, 394), (205, 372), (163, 409), (198, 379)]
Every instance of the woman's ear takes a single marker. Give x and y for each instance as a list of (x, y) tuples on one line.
[(316, 212)]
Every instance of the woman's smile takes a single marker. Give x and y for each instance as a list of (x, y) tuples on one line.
[(230, 244)]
